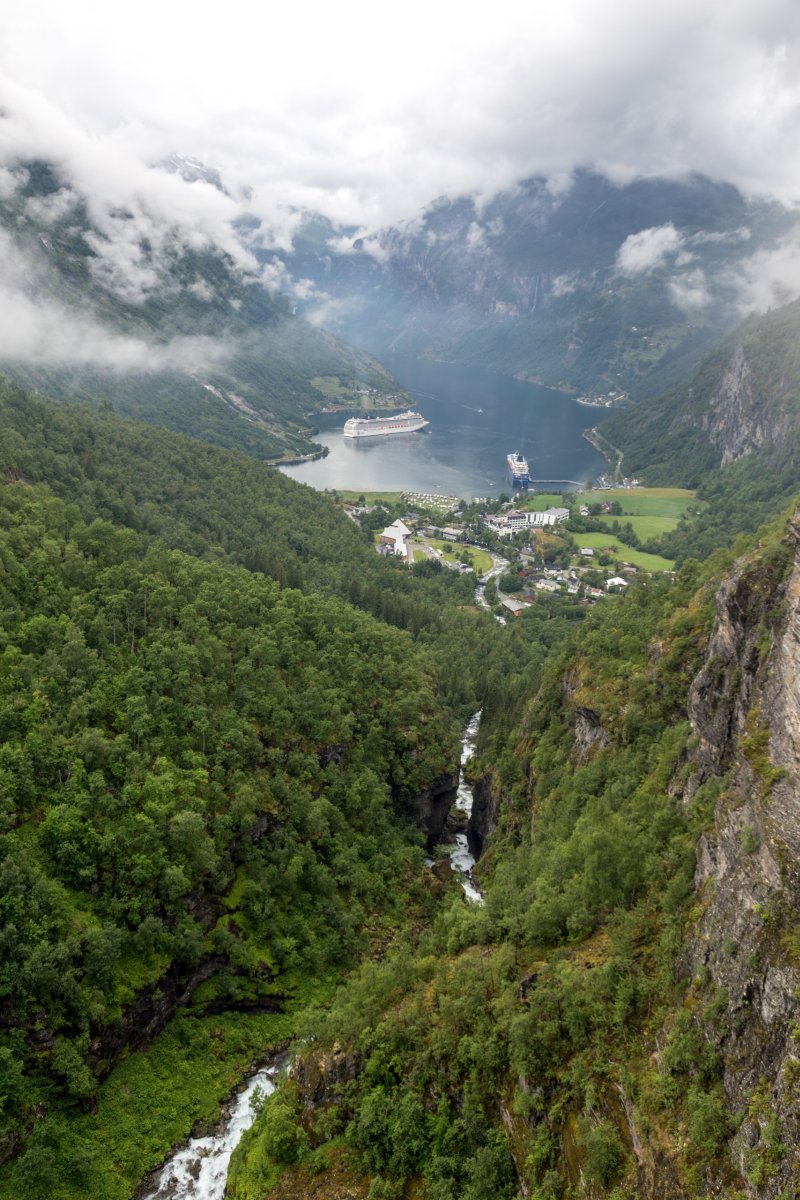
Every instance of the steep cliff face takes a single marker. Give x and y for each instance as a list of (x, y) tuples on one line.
[(744, 398), (736, 421), (744, 953), (486, 802), (428, 810)]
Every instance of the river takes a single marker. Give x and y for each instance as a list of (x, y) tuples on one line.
[(477, 418), (199, 1170), (461, 858)]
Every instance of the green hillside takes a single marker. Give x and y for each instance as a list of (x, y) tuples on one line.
[(206, 779), (564, 1038), (731, 431), (257, 389)]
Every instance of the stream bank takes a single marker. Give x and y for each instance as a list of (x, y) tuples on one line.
[(199, 1169), (462, 860)]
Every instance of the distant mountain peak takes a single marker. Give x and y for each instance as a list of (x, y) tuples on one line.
[(192, 170)]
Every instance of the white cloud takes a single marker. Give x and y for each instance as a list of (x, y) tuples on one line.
[(768, 278), (49, 209), (690, 290), (314, 106), (201, 289), (648, 249), (308, 108), (726, 236), (141, 213), (342, 244), (39, 330), (564, 285), (10, 181), (476, 236)]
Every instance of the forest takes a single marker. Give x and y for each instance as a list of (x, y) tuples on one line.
[(509, 1046), (219, 709), (224, 719)]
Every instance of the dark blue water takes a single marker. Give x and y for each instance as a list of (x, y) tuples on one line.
[(476, 419)]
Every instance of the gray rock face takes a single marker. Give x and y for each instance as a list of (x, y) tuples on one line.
[(485, 812), (589, 733), (736, 422), (745, 709), (429, 810)]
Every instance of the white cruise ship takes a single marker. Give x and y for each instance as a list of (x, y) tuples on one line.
[(405, 422)]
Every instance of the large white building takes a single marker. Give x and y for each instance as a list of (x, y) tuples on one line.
[(550, 516), (505, 524)]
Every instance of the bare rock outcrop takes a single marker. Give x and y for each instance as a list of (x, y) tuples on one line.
[(744, 706)]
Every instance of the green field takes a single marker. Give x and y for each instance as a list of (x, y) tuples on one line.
[(644, 527), (480, 559), (369, 497), (637, 558), (644, 502), (542, 500)]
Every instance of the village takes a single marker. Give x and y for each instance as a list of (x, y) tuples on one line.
[(586, 545)]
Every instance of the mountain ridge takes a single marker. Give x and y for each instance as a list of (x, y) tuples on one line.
[(601, 286), (178, 335)]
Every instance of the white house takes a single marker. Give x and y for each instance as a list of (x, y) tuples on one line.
[(395, 537)]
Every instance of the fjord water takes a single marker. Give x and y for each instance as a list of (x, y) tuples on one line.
[(477, 417)]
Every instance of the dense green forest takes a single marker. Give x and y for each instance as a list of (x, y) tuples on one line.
[(504, 1047), (219, 708), (199, 769)]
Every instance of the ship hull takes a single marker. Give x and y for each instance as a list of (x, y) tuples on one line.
[(518, 471), (366, 427)]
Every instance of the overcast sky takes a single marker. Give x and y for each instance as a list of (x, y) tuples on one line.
[(367, 113)]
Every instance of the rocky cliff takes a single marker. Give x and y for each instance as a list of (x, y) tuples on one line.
[(621, 1019), (743, 953), (744, 400)]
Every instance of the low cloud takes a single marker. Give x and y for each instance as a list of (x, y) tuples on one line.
[(476, 237), (649, 249), (768, 278), (141, 215), (328, 312), (38, 330), (723, 237), (690, 291), (564, 285)]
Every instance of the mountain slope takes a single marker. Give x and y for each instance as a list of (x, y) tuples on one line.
[(600, 287), (185, 337), (743, 401), (206, 780), (620, 1017)]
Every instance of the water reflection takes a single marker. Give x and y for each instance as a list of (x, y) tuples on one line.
[(477, 418)]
